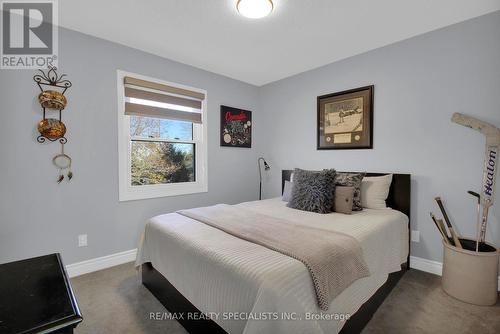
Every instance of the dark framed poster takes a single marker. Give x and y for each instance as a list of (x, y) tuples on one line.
[(345, 120), (235, 127)]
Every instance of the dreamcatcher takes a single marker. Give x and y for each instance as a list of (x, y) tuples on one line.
[(63, 162)]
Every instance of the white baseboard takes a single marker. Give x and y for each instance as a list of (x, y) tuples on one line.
[(430, 266), (99, 263)]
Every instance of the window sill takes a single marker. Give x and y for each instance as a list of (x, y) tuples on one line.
[(134, 193)]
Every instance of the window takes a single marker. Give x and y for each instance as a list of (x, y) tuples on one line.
[(162, 138)]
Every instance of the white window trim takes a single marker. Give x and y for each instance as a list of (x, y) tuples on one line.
[(127, 192)]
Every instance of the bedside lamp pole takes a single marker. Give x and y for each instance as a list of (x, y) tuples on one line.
[(266, 167)]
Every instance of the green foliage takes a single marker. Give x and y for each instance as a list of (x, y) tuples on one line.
[(159, 162)]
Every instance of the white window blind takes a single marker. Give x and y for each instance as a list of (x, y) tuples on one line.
[(152, 99)]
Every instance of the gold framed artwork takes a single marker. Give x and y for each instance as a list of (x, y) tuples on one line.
[(345, 120)]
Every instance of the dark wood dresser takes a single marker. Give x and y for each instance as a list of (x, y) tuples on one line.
[(36, 297)]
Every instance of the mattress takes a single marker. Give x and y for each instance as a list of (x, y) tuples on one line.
[(247, 288)]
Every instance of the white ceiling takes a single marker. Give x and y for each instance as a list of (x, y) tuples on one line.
[(298, 35)]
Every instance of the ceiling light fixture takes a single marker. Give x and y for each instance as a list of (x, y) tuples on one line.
[(254, 9)]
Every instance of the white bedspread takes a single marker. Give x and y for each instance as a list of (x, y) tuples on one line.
[(228, 277)]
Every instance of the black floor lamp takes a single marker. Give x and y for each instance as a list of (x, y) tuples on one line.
[(266, 167)]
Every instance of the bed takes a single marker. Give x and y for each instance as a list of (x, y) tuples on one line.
[(214, 282)]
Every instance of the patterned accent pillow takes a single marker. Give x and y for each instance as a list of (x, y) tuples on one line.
[(313, 190), (351, 180)]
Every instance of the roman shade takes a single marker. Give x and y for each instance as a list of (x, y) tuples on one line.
[(152, 99)]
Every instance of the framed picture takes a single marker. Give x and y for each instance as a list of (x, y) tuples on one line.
[(345, 119), (235, 127)]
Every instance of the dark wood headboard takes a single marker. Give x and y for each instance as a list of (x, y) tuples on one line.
[(399, 193)]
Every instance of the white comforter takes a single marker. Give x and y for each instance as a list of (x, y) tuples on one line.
[(239, 283)]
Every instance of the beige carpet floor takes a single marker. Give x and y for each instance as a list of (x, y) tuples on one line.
[(114, 301)]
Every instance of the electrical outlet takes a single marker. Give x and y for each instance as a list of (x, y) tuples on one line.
[(415, 236), (82, 240)]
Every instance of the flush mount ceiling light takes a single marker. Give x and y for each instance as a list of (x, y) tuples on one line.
[(254, 9)]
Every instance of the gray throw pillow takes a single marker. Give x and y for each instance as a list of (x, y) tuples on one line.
[(343, 199), (313, 190), (351, 180), (287, 192)]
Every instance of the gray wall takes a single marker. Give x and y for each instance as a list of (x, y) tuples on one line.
[(419, 83), (39, 216)]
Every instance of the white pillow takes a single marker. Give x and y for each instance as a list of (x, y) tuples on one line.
[(287, 192), (374, 191)]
